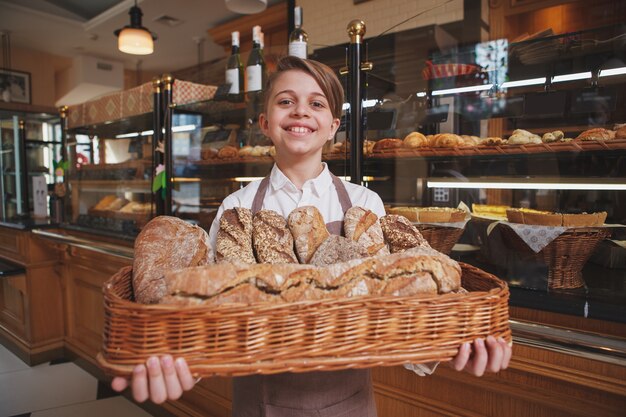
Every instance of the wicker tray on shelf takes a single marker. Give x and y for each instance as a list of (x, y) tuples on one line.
[(440, 238), (304, 336), (565, 256)]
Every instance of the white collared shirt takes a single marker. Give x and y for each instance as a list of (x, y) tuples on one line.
[(283, 197)]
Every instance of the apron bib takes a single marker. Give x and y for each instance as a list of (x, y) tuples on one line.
[(345, 393)]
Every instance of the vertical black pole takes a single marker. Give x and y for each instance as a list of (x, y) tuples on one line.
[(168, 82), (24, 169), (356, 30), (157, 137)]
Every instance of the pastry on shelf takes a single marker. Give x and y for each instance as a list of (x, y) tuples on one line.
[(490, 210), (387, 144), (620, 132), (491, 141), (415, 140), (430, 214), (228, 152), (245, 151), (104, 202), (470, 140), (208, 153), (446, 140), (523, 137), (547, 218), (597, 133), (555, 136)]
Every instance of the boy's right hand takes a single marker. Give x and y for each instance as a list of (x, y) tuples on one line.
[(159, 380)]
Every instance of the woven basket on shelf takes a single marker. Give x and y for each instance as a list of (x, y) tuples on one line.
[(565, 256), (440, 238), (304, 336)]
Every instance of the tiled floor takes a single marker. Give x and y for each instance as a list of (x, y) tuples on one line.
[(56, 389)]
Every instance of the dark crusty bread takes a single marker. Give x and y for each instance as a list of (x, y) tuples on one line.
[(415, 271), (234, 237), (166, 244), (337, 249), (308, 230), (400, 234), (363, 227), (272, 240)]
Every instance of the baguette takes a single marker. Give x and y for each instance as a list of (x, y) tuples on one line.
[(416, 271)]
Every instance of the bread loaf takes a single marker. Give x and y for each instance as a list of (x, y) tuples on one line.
[(337, 249), (415, 271), (620, 133), (234, 237), (415, 140), (228, 152), (363, 227), (272, 240), (446, 140), (166, 244), (597, 133), (387, 144), (308, 230), (400, 234)]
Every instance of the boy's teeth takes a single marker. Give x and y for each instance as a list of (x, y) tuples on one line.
[(298, 129)]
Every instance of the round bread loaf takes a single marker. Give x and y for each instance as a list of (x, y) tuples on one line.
[(272, 239), (166, 244), (387, 144), (308, 230), (337, 249), (620, 133)]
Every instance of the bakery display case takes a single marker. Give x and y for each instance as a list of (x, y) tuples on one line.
[(535, 124), (31, 147), (110, 163)]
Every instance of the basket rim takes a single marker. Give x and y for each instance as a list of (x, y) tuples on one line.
[(110, 296)]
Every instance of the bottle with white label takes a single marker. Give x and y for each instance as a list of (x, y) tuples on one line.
[(255, 68), (234, 71), (298, 38)]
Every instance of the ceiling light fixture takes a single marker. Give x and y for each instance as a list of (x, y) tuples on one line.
[(135, 39), (246, 6)]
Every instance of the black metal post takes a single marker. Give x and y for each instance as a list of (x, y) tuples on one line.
[(356, 30), (168, 82), (157, 137), (24, 169)]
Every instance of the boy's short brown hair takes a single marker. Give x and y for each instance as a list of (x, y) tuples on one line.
[(321, 73)]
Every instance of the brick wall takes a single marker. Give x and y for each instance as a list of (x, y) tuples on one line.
[(326, 20)]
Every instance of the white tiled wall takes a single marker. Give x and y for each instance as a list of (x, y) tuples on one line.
[(326, 20)]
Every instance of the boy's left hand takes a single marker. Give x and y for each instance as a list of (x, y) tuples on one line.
[(488, 355)]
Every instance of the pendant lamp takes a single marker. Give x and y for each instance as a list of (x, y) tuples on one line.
[(246, 6), (135, 39)]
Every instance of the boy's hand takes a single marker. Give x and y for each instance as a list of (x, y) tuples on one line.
[(158, 380), (488, 355)]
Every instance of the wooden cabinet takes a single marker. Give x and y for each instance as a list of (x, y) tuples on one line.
[(85, 271), (31, 304)]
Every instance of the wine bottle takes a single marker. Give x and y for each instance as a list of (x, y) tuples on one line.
[(298, 38), (234, 70), (255, 67)]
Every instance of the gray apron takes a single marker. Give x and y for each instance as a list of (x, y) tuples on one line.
[(345, 393)]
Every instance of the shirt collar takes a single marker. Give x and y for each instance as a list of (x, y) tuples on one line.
[(319, 185)]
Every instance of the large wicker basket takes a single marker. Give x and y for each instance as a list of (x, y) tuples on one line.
[(304, 336), (565, 256), (440, 238)]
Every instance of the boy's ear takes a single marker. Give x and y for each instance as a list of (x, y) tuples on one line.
[(333, 128), (264, 124)]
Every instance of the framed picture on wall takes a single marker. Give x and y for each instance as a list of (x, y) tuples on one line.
[(14, 86)]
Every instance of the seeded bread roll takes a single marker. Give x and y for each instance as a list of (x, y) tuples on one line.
[(363, 227), (337, 249), (234, 238), (166, 244), (272, 240), (415, 271), (400, 234), (308, 230)]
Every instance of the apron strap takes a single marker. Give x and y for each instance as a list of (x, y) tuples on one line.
[(342, 193), (257, 203)]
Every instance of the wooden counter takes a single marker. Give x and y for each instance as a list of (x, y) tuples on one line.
[(31, 304), (542, 380)]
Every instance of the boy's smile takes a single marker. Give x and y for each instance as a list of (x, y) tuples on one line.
[(298, 118)]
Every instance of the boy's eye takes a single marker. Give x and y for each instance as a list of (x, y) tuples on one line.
[(317, 104)]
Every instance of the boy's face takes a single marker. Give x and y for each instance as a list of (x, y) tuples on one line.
[(298, 119)]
